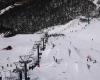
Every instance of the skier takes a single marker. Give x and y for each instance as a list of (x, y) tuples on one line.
[(88, 66)]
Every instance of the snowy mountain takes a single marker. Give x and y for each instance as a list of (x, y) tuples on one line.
[(71, 53), (38, 14)]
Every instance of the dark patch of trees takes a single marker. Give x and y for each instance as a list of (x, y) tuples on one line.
[(39, 14)]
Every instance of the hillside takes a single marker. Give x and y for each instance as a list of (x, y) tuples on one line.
[(71, 56), (38, 14)]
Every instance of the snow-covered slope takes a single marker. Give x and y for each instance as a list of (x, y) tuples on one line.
[(73, 56)]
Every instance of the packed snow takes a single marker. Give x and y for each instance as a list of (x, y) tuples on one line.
[(72, 52)]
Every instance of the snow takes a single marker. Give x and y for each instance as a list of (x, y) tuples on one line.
[(95, 2), (9, 7), (5, 9), (71, 51)]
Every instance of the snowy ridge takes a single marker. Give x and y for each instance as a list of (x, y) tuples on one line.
[(8, 8), (73, 56)]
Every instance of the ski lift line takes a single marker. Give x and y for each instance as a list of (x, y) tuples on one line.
[(25, 67), (29, 56)]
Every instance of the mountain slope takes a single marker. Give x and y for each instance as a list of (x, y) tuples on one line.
[(72, 53), (37, 14), (71, 56)]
